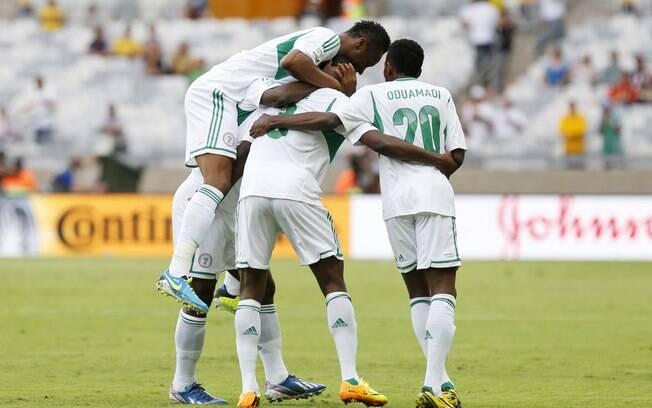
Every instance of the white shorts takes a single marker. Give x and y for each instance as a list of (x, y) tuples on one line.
[(423, 241), (309, 228), (217, 252), (211, 123)]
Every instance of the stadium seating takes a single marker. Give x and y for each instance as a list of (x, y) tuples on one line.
[(545, 106), (151, 107)]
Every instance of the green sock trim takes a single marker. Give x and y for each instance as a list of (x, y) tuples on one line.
[(352, 381), (447, 386), (428, 389)]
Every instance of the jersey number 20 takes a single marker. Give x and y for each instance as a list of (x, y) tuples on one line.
[(430, 123)]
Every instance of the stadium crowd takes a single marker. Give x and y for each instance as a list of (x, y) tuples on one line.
[(493, 118)]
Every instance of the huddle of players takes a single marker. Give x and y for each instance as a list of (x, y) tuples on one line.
[(292, 94)]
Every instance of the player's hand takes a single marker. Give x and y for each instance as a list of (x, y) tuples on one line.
[(345, 74), (261, 126)]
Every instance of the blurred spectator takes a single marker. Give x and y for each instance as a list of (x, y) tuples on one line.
[(24, 8), (51, 16), (641, 77), (506, 29), (4, 169), (573, 128), (477, 117), (113, 128), (629, 7), (126, 46), (98, 45), (8, 131), (197, 69), (42, 106), (63, 182), (509, 121), (196, 9), (480, 18), (610, 126), (584, 73), (558, 71), (81, 176), (346, 182), (182, 61), (19, 180), (624, 91), (527, 9), (152, 53), (553, 14), (92, 16), (611, 74)]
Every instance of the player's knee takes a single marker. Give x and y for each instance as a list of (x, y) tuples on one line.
[(216, 171), (253, 284), (204, 288), (270, 291)]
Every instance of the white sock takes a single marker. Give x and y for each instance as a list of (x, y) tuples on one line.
[(189, 340), (247, 334), (343, 328), (419, 309), (197, 218), (269, 345), (232, 284), (440, 331)]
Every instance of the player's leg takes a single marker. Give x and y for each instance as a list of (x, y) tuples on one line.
[(403, 239), (311, 231), (439, 259), (256, 232), (227, 295), (211, 119), (190, 329), (189, 341)]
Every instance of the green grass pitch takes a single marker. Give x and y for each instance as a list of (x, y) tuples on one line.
[(93, 333)]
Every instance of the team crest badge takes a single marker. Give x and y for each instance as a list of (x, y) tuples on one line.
[(205, 260), (229, 139)]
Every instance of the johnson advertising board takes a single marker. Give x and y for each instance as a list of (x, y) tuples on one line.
[(546, 227)]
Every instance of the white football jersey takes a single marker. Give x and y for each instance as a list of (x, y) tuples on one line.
[(291, 164), (234, 75), (421, 114)]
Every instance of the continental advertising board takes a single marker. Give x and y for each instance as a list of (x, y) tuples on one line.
[(546, 227), (122, 225)]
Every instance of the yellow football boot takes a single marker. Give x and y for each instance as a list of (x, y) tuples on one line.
[(427, 399), (361, 392), (451, 398), (249, 400)]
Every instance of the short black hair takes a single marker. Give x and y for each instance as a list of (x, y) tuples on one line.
[(373, 31), (406, 56)]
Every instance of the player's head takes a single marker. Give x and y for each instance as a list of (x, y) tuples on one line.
[(364, 44), (404, 59), (329, 66)]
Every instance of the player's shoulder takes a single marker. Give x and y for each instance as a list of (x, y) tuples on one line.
[(445, 93), (323, 98), (316, 32), (328, 93)]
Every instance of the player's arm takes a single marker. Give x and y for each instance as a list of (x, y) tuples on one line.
[(284, 95), (300, 121), (239, 164), (301, 67), (395, 148)]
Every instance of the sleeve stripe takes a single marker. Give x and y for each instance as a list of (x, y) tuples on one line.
[(332, 47), (331, 41)]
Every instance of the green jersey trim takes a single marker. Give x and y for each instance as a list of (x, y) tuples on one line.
[(281, 51), (378, 120), (333, 139)]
